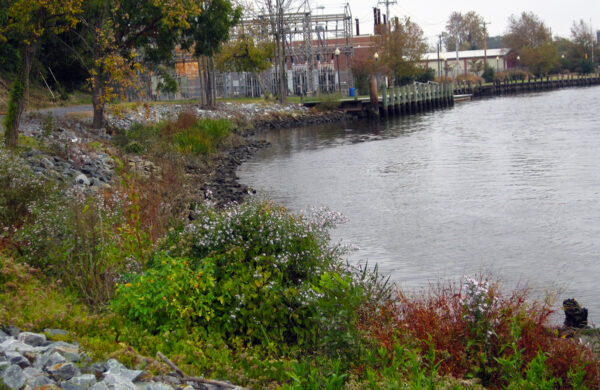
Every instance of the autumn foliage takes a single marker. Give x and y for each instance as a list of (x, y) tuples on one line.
[(477, 331)]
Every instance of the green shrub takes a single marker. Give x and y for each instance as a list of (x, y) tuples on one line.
[(134, 147), (330, 101), (169, 296), (520, 75), (19, 188), (252, 271), (489, 74), (139, 134)]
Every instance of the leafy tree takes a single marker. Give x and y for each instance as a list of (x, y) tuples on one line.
[(206, 34), (495, 42), (247, 54), (467, 28), (425, 74), (529, 37), (401, 48), (120, 35), (540, 60), (26, 23)]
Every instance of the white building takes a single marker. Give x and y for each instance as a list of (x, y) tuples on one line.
[(453, 64)]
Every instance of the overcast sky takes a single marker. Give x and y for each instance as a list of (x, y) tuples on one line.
[(432, 15)]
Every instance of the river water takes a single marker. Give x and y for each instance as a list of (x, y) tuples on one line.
[(508, 187)]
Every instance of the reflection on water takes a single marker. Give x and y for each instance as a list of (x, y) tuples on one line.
[(509, 186)]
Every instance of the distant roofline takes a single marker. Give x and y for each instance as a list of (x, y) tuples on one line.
[(451, 55)]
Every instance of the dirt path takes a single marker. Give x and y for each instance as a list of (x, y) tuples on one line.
[(57, 112)]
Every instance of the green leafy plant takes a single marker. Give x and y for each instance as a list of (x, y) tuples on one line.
[(306, 377), (263, 264)]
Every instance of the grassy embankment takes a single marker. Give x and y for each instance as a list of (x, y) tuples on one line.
[(251, 293)]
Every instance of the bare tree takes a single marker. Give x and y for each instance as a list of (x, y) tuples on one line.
[(582, 36), (527, 30), (274, 11), (466, 30)]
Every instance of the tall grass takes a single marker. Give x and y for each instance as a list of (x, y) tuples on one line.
[(185, 135), (203, 138)]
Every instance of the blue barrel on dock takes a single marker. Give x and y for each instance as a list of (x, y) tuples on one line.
[(352, 92)]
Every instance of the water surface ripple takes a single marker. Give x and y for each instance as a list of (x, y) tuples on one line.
[(508, 186)]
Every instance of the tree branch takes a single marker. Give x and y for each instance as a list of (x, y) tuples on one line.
[(186, 378)]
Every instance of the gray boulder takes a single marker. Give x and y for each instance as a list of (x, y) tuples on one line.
[(99, 386), (18, 359), (12, 345), (69, 351), (64, 371), (44, 162), (49, 358), (32, 372), (118, 382), (81, 382), (33, 339), (38, 381), (153, 386), (13, 377), (115, 367), (82, 179)]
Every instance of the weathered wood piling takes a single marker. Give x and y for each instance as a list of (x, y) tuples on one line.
[(421, 97), (507, 87)]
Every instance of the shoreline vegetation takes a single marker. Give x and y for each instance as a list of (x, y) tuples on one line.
[(158, 259)]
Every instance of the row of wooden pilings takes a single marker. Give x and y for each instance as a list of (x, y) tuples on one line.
[(505, 87), (411, 99)]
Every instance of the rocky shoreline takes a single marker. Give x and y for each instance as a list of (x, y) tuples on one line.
[(71, 153), (32, 361), (223, 183)]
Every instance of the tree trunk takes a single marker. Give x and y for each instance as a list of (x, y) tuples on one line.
[(97, 86), (214, 80), (282, 81), (201, 85), (261, 83), (207, 81), (19, 89), (98, 103)]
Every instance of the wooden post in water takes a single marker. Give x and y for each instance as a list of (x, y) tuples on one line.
[(373, 95), (429, 100), (385, 100), (417, 98)]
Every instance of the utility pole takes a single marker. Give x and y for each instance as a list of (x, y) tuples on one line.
[(593, 43), (485, 43), (387, 9), (439, 47)]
